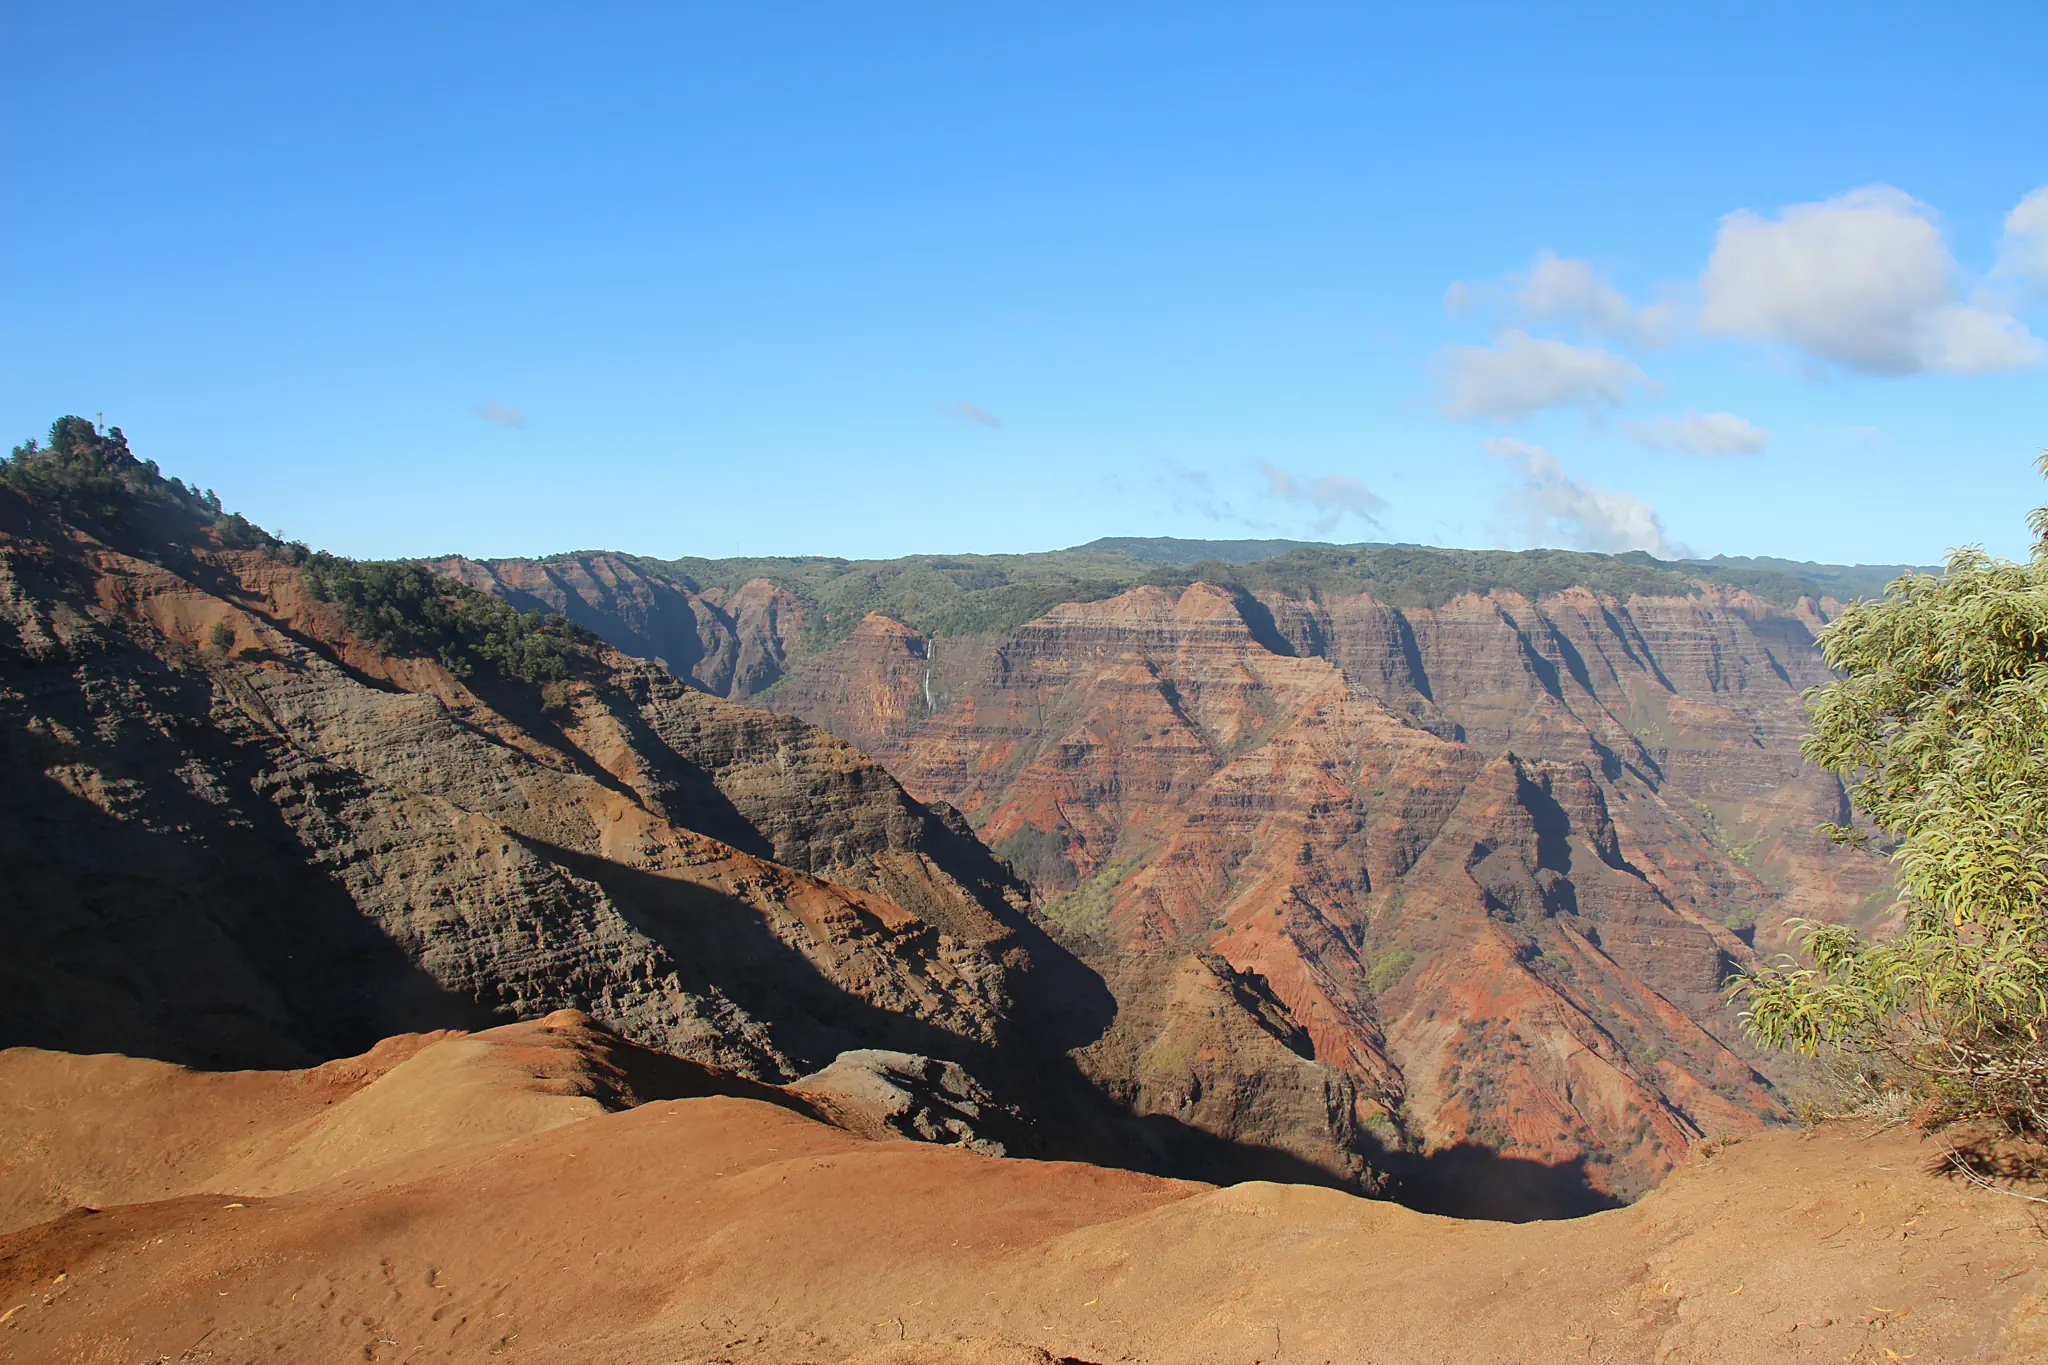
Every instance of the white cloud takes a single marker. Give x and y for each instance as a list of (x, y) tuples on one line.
[(504, 414), (1335, 496), (1862, 280), (1522, 374), (1566, 291), (1551, 505), (2024, 249), (1701, 433)]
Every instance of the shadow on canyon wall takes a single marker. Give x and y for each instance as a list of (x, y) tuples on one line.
[(1471, 1181)]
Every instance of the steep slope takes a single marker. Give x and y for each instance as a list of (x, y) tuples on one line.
[(530, 1194), (361, 838), (729, 643)]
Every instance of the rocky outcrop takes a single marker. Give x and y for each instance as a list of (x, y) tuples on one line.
[(899, 1094), (1200, 1047)]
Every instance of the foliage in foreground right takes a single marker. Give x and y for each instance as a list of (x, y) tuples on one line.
[(1939, 723)]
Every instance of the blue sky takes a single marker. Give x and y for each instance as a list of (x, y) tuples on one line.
[(875, 279)]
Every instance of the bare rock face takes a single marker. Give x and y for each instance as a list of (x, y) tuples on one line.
[(1202, 1048), (1495, 858)]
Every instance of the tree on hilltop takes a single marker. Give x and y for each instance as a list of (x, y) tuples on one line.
[(94, 474)]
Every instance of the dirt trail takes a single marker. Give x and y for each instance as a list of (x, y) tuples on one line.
[(486, 1197)]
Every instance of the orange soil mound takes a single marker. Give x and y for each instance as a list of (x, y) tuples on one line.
[(517, 1195)]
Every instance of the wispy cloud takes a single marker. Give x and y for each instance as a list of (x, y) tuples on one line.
[(1524, 374), (1333, 496), (1192, 491), (1564, 291), (1550, 505), (970, 412), (1863, 281), (1701, 433), (504, 414)]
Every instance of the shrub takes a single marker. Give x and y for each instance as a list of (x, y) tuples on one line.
[(1388, 968), (1940, 723), (400, 607), (1040, 857)]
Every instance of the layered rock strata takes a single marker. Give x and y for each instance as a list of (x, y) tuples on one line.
[(1496, 858)]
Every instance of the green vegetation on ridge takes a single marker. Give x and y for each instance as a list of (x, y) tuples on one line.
[(936, 594), (408, 609), (1766, 576), (93, 475), (968, 594), (402, 608)]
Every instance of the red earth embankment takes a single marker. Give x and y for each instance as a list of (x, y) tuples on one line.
[(520, 1195)]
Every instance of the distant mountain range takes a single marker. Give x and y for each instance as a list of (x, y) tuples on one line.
[(1850, 580), (969, 594)]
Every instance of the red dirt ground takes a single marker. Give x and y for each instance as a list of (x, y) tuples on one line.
[(482, 1198)]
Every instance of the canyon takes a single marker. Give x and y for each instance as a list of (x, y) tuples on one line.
[(1494, 855)]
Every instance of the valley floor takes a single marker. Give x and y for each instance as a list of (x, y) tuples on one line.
[(524, 1195)]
